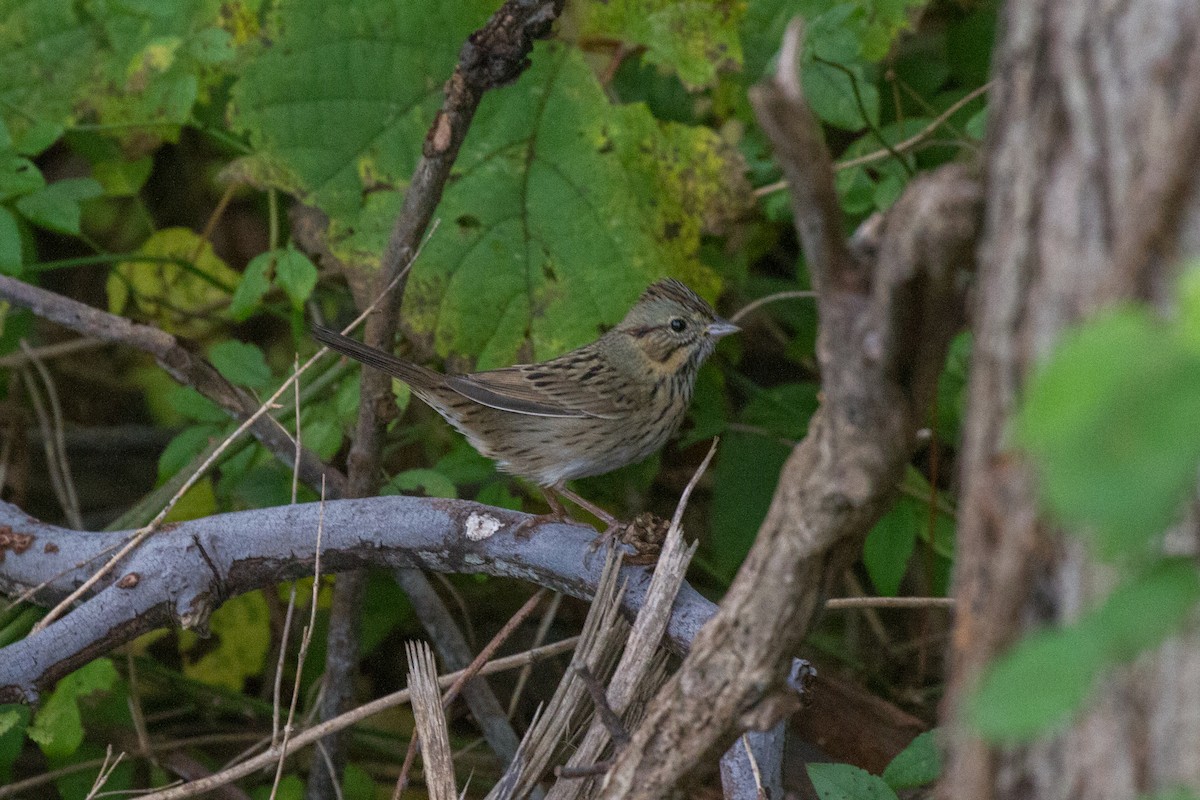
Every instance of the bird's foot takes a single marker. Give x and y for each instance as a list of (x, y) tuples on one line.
[(527, 526)]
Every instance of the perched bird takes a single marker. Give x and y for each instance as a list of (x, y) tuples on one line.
[(604, 405)]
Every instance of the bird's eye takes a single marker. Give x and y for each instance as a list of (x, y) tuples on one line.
[(679, 324)]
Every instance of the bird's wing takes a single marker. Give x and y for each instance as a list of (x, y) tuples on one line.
[(558, 388)]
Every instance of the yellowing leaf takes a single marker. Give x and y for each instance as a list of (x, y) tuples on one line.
[(243, 635), (199, 501), (181, 278), (693, 38)]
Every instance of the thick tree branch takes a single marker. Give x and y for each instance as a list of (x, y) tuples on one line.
[(179, 362), (884, 330), (182, 573)]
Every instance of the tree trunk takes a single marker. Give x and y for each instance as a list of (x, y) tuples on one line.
[(1091, 197)]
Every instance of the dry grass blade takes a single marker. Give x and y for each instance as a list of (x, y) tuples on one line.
[(431, 722), (603, 633)]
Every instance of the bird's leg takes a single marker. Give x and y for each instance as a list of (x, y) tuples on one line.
[(612, 525), (556, 507)]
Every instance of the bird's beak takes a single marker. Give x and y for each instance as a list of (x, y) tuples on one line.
[(721, 327)]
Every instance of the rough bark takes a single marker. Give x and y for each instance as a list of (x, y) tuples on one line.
[(1091, 176), (886, 317)]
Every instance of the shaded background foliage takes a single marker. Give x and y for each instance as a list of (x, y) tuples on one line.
[(150, 153)]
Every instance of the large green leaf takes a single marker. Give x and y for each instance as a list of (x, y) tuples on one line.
[(46, 55), (338, 104), (1111, 422), (1053, 672), (136, 66), (561, 210)]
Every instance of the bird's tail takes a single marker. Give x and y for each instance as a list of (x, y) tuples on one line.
[(413, 374)]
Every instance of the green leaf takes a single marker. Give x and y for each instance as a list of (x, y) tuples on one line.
[(1120, 464), (176, 286), (338, 104), (748, 466), (427, 481), (463, 464), (242, 627), (1175, 793), (190, 404), (1145, 610), (497, 494), (56, 207), (694, 39), (241, 363), (919, 764), (10, 244), (255, 282), (357, 784), (158, 60), (290, 788), (744, 479), (121, 178), (1052, 673), (708, 411), (58, 725), (890, 544), (952, 389), (347, 399), (296, 275), (13, 721), (564, 209), (1036, 685), (47, 53), (841, 95), (322, 435), (18, 176), (846, 782), (185, 446)]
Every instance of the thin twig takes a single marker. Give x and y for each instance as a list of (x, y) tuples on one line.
[(106, 771), (889, 602), (758, 781), (49, 351), (770, 298), (276, 704), (604, 712), (305, 638), (57, 428), (901, 147), (56, 466), (134, 701), (542, 632)]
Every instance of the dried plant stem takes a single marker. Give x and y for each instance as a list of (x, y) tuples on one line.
[(472, 669), (305, 638)]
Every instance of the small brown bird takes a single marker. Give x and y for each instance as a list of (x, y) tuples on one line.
[(607, 404)]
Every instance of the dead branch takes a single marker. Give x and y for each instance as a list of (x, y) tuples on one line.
[(884, 329)]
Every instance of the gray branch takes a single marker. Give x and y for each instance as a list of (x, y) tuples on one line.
[(182, 573)]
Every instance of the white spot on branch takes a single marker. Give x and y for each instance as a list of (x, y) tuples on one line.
[(481, 526)]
